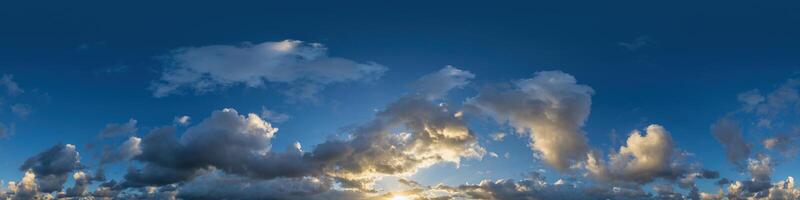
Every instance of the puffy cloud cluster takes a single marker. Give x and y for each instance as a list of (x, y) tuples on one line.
[(229, 155), (226, 140), (47, 172), (772, 115), (25, 189), (304, 67), (431, 135), (52, 166), (644, 159), (551, 107), (410, 134)]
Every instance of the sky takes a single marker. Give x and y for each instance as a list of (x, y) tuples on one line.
[(399, 100)]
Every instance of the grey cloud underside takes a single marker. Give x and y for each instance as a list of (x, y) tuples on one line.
[(432, 136), (305, 68), (53, 166), (418, 131)]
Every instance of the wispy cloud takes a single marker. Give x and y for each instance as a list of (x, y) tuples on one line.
[(305, 68)]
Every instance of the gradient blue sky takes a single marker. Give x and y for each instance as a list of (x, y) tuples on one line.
[(85, 64)]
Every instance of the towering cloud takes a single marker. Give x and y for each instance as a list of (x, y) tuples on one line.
[(551, 107), (304, 67)]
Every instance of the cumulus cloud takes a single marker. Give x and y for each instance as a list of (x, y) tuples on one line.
[(436, 85), (645, 156), (409, 134), (52, 166), (226, 140), (431, 136), (649, 158), (81, 186), (728, 132), (119, 129), (305, 67), (25, 189), (551, 107)]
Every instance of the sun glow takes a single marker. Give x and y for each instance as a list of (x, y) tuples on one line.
[(400, 197)]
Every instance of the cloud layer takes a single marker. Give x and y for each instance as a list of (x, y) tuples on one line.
[(230, 155), (305, 68)]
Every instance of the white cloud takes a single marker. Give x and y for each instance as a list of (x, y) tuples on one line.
[(551, 107), (304, 67)]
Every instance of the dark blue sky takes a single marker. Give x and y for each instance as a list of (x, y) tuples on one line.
[(86, 64)]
